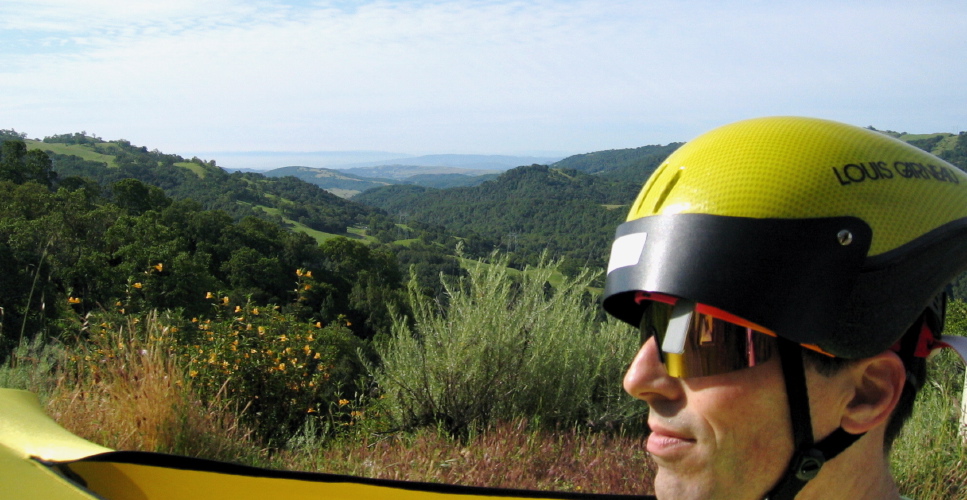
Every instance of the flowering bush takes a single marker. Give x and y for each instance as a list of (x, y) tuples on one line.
[(280, 371)]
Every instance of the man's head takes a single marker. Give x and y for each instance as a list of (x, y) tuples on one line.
[(764, 239), (720, 408)]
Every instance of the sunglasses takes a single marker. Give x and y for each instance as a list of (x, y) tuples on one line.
[(696, 340)]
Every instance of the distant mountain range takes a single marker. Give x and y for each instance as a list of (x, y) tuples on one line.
[(471, 162), (438, 171), (263, 161)]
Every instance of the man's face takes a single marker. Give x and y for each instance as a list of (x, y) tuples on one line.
[(721, 436)]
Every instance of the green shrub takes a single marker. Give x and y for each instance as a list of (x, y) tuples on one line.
[(503, 349)]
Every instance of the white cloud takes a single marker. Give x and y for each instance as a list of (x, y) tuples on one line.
[(475, 76)]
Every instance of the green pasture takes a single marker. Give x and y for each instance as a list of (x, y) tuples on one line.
[(84, 151)]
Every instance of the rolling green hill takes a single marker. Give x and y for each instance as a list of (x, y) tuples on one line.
[(350, 182), (633, 164), (302, 206)]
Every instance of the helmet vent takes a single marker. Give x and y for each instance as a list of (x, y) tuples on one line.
[(668, 189)]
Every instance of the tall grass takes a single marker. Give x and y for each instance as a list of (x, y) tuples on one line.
[(501, 349), (123, 387)]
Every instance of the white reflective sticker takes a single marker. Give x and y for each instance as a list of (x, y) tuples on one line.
[(626, 250), (678, 326)]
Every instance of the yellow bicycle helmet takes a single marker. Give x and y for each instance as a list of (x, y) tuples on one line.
[(826, 234)]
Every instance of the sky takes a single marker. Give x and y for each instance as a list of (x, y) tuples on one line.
[(551, 77)]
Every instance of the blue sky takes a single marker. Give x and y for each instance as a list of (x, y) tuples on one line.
[(488, 77)]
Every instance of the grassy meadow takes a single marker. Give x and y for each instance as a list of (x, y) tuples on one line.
[(503, 382)]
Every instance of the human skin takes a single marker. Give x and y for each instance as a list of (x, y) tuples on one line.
[(729, 435)]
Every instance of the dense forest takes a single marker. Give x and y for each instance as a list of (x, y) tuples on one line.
[(527, 210), (78, 236)]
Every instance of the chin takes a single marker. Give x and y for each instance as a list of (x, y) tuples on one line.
[(671, 486)]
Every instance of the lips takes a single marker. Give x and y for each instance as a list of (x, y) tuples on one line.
[(668, 444)]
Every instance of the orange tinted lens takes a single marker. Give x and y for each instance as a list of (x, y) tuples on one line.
[(713, 346)]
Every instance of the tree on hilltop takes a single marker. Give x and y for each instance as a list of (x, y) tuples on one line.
[(19, 165)]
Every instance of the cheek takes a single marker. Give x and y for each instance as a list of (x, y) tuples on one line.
[(752, 400), (748, 424), (748, 419)]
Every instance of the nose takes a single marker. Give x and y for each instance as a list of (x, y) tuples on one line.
[(647, 379)]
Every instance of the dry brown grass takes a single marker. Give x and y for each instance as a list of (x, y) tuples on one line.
[(125, 390), (509, 455)]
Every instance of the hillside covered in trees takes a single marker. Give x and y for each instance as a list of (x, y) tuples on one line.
[(526, 210), (78, 158), (78, 235)]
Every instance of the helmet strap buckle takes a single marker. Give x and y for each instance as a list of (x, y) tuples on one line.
[(808, 463)]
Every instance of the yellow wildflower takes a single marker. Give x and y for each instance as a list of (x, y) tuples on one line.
[(209, 295), (238, 309), (137, 285), (159, 267), (343, 402), (73, 300), (225, 300), (308, 274)]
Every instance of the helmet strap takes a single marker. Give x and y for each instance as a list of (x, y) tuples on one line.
[(808, 457)]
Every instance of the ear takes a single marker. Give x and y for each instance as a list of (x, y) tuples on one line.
[(877, 385)]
